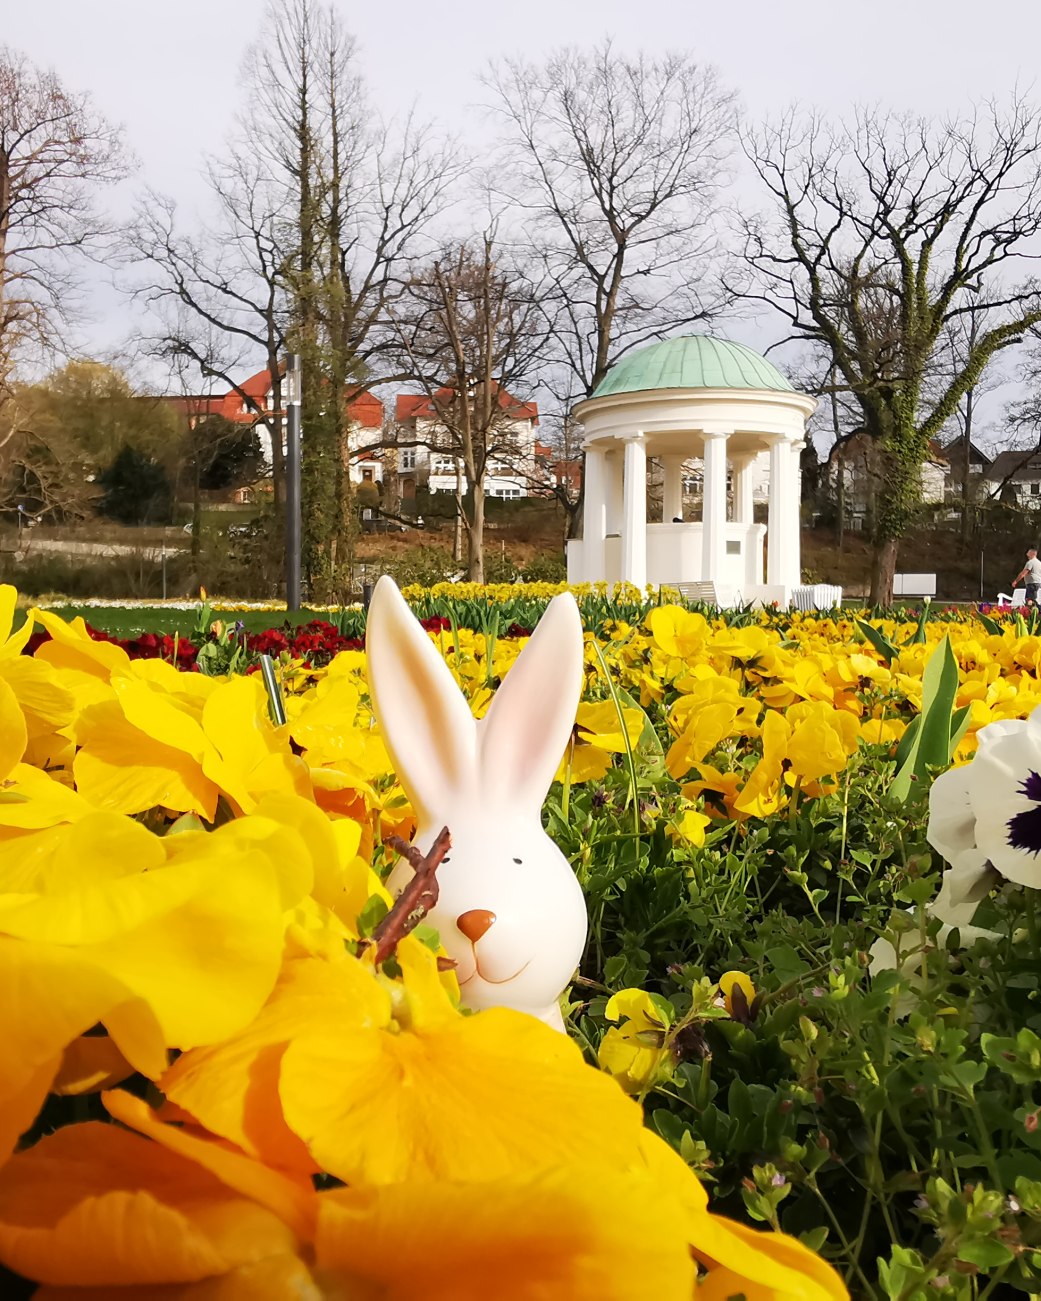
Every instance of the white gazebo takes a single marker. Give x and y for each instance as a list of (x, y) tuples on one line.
[(675, 401)]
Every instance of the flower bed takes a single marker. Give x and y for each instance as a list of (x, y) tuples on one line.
[(192, 909)]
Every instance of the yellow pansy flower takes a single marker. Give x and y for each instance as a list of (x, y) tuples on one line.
[(636, 1052)]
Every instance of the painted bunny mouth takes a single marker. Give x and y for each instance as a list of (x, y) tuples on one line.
[(487, 979)]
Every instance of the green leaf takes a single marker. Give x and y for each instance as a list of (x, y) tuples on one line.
[(614, 968), (814, 1238), (428, 935), (931, 747), (786, 963), (918, 638), (879, 640), (372, 914), (906, 742), (186, 822), (992, 626), (986, 1253)]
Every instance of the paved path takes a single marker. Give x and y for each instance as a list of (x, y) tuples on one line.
[(38, 546)]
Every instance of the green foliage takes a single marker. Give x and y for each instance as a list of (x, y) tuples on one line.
[(136, 489), (890, 1121), (545, 567), (228, 454), (422, 565), (498, 566), (932, 737)]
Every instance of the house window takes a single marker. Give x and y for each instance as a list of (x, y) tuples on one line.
[(366, 476), (408, 458), (1035, 489)]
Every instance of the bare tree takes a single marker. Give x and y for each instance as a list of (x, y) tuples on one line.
[(614, 166), (962, 336), (934, 218), (1022, 434), (219, 295), (320, 208), (55, 152), (471, 335)]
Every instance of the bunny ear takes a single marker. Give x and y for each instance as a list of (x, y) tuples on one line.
[(425, 720), (523, 735)]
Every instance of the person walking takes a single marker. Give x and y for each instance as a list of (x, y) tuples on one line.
[(1031, 571)]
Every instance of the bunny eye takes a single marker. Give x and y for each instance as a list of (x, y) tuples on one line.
[(447, 859), (516, 860)]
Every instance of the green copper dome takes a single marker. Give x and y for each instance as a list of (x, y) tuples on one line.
[(694, 361)]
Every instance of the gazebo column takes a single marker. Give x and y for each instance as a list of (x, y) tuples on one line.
[(672, 488), (634, 512), (744, 508), (613, 490), (780, 532), (793, 518), (594, 514), (714, 504)]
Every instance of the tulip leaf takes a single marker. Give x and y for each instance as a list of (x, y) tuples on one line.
[(959, 726), (879, 640), (938, 730), (919, 638), (905, 743), (991, 625)]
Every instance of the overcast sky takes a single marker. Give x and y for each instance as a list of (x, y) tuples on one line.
[(170, 72)]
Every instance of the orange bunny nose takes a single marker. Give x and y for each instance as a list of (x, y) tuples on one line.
[(475, 923)]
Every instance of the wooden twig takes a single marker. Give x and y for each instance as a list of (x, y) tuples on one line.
[(417, 898)]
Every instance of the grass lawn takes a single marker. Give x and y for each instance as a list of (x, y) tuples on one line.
[(122, 621)]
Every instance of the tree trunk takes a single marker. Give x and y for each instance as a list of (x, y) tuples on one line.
[(196, 507), (457, 531), (475, 536), (277, 430), (966, 470), (882, 570), (840, 460), (574, 523)]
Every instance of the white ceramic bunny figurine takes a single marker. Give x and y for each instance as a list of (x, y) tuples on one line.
[(510, 911)]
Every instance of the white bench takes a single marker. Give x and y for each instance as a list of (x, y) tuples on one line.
[(914, 584), (703, 592), (817, 596)]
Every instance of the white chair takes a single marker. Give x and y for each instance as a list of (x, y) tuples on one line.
[(1018, 597)]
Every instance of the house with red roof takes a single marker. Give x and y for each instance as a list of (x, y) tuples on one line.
[(195, 407), (424, 455), (252, 403)]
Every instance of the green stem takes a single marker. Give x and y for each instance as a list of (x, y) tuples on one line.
[(565, 793), (852, 1252), (630, 759)]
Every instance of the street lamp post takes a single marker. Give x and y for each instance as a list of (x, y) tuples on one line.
[(293, 481)]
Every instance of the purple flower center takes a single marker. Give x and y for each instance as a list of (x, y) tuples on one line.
[(1024, 830)]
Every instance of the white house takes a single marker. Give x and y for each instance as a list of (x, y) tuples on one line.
[(854, 460), (1015, 477), (513, 473), (364, 416)]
